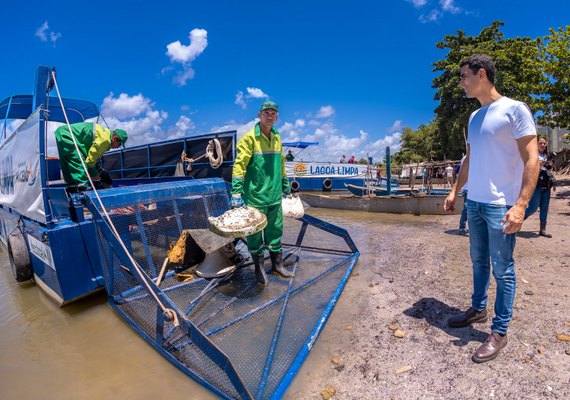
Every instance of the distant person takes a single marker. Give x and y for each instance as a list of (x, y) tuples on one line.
[(501, 166), (93, 140), (378, 175), (463, 219), (449, 175), (289, 156), (351, 160), (259, 180), (343, 159), (546, 181)]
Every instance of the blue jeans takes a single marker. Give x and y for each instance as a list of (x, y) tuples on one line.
[(463, 218), (487, 241), (540, 199)]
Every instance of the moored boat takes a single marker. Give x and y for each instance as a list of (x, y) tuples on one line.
[(235, 338), (411, 203)]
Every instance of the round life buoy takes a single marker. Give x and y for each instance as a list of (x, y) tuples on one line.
[(19, 257), (295, 186), (327, 185)]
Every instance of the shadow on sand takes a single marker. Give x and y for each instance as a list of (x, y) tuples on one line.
[(436, 314), (527, 235), (454, 232)]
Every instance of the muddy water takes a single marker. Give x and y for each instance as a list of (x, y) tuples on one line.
[(85, 351)]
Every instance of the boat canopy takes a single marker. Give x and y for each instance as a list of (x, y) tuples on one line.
[(299, 145), (20, 107)]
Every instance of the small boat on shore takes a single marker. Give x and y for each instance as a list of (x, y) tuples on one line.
[(375, 190), (411, 203)]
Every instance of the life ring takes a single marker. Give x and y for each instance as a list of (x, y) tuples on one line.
[(327, 185), (19, 257), (295, 186)]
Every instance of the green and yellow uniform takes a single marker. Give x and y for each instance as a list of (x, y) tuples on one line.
[(92, 144), (259, 176)]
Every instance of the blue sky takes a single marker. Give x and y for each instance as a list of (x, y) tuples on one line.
[(349, 74)]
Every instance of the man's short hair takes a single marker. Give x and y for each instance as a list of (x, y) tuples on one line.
[(478, 61)]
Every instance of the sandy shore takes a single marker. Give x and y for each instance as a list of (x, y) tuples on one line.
[(413, 274)]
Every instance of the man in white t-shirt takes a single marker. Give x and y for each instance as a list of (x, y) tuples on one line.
[(449, 175), (502, 168)]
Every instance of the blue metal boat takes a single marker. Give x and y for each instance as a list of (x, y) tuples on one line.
[(323, 176), (234, 337)]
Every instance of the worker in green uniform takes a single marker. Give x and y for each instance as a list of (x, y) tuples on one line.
[(93, 140), (259, 180)]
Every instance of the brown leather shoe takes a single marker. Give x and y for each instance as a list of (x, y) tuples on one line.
[(467, 318), (491, 348)]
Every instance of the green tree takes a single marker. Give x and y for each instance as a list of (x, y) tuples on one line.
[(519, 76), (417, 145), (555, 62)]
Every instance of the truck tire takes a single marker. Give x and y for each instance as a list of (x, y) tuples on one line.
[(19, 257), (327, 185)]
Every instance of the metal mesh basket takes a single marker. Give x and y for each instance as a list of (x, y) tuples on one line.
[(235, 337)]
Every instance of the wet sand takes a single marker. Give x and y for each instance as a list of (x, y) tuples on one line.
[(413, 271)]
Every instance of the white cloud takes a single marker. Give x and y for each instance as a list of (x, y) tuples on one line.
[(292, 132), (239, 100), (145, 129), (333, 143), (435, 14), (44, 34), (432, 16), (241, 129), (186, 54), (396, 127), (325, 112), (418, 3), (256, 93), (183, 76), (449, 6), (136, 115), (41, 32), (185, 124), (125, 106), (252, 93)]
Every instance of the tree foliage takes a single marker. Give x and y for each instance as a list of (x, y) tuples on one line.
[(417, 145), (555, 62), (536, 71), (518, 76)]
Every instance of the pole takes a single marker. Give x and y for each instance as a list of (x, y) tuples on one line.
[(388, 171)]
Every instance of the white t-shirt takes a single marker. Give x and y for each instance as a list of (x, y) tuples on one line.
[(495, 164)]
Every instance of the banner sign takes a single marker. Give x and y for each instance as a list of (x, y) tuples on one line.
[(20, 179), (325, 170)]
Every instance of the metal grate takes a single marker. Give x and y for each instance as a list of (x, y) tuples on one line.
[(235, 337)]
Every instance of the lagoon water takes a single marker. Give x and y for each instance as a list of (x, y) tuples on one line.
[(86, 351)]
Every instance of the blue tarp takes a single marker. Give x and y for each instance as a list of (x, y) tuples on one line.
[(21, 108), (299, 145)]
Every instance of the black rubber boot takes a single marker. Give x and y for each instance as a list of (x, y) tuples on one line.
[(260, 274), (542, 231), (277, 265)]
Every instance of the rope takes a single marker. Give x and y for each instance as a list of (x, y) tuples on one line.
[(215, 162), (172, 315)]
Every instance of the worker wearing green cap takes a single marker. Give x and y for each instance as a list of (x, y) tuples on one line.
[(259, 180), (92, 140)]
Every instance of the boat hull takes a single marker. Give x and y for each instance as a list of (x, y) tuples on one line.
[(417, 205)]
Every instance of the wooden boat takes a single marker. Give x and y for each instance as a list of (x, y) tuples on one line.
[(414, 203)]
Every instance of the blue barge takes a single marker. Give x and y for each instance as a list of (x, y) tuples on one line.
[(234, 337)]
